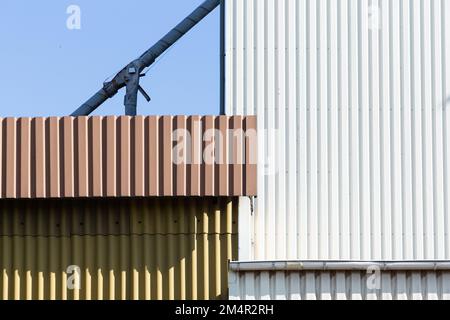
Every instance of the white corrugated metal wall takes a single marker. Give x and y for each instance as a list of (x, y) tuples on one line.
[(350, 285), (352, 101), (338, 284)]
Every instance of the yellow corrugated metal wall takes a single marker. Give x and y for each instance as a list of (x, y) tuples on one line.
[(155, 248)]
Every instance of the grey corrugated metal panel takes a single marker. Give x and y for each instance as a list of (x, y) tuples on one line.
[(353, 125), (339, 285), (154, 248), (125, 157)]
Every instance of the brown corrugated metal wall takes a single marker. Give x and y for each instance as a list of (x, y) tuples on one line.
[(125, 157), (154, 248)]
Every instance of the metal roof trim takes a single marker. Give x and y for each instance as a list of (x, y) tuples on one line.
[(339, 265)]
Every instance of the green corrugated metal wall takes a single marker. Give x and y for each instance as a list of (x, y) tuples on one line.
[(154, 248)]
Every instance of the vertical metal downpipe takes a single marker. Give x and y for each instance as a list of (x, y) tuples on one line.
[(222, 56)]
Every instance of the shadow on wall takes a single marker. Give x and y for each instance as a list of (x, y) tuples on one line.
[(446, 103), (153, 248)]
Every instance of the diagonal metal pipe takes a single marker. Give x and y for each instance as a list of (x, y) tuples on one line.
[(130, 75)]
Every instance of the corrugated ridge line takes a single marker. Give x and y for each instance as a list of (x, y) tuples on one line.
[(123, 157), (156, 248), (371, 170), (339, 285)]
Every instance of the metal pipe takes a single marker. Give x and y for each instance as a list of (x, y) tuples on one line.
[(127, 74), (93, 103), (339, 265), (179, 31)]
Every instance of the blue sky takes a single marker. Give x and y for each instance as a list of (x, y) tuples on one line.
[(49, 70)]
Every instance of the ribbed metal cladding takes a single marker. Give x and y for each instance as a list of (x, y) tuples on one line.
[(352, 99), (338, 285), (155, 248), (126, 156)]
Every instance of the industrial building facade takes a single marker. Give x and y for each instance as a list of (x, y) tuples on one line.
[(329, 178), (115, 208), (351, 99)]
